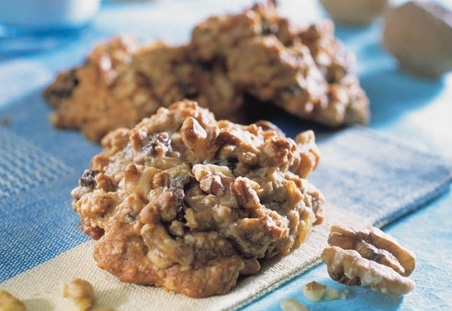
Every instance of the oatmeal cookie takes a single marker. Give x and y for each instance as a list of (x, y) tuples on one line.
[(189, 203), (304, 70)]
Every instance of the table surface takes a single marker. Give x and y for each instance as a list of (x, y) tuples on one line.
[(416, 110)]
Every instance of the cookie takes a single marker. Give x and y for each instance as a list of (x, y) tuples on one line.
[(257, 52), (189, 203), (304, 70)]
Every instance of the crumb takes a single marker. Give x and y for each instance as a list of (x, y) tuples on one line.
[(344, 294), (369, 257), (6, 121), (81, 292), (306, 71), (332, 294)]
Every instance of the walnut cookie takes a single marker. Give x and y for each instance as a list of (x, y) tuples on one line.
[(257, 52), (189, 203)]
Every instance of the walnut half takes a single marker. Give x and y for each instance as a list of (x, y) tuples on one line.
[(81, 292), (369, 257)]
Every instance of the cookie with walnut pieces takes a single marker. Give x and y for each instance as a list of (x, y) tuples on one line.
[(257, 54), (189, 203)]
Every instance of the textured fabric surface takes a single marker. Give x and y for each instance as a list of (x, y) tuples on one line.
[(24, 166)]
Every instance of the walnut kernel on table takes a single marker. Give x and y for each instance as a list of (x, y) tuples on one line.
[(188, 203), (369, 257), (315, 291), (8, 302)]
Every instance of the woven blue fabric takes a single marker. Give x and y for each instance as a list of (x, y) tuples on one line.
[(36, 219), (378, 177)]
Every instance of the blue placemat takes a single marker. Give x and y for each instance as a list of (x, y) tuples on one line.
[(377, 176)]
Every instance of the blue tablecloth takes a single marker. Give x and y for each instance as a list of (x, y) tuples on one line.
[(415, 112)]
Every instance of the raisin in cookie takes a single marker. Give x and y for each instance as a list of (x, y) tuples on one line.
[(304, 70), (189, 203)]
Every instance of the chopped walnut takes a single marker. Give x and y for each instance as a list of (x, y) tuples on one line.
[(314, 291), (354, 12), (8, 302), (81, 292), (418, 34), (369, 258), (290, 304), (6, 121)]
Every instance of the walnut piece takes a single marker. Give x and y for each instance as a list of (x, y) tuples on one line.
[(332, 294), (290, 304), (10, 303), (369, 257), (314, 291), (189, 203), (81, 292)]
